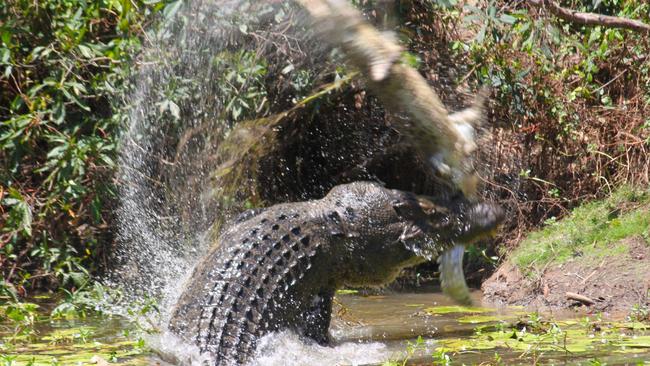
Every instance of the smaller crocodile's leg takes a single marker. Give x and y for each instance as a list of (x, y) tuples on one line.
[(316, 318)]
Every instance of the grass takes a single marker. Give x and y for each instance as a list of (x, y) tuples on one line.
[(593, 230)]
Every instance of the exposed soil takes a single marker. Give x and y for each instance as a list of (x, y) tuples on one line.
[(615, 283)]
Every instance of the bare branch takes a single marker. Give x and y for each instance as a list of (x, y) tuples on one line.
[(592, 18)]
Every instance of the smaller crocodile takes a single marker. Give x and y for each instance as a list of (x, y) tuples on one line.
[(279, 267)]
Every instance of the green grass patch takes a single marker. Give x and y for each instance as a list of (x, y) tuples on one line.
[(592, 230)]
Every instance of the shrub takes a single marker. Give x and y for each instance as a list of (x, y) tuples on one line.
[(64, 67)]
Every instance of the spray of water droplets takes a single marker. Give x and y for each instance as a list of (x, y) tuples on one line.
[(179, 114)]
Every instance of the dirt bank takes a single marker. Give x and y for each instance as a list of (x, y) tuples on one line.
[(615, 283)]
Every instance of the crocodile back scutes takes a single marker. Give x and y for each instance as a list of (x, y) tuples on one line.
[(256, 269)]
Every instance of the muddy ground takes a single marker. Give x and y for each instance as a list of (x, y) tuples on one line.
[(614, 284)]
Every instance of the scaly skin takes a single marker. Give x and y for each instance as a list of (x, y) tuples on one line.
[(279, 267)]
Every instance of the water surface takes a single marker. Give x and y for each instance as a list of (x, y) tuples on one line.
[(366, 330)]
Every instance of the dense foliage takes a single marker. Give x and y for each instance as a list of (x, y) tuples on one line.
[(570, 117), (64, 68)]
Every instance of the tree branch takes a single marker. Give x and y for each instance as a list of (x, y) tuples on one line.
[(592, 18)]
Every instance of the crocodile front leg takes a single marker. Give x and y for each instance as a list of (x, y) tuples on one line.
[(315, 320)]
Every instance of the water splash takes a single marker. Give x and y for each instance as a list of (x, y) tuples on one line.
[(287, 349), (180, 113), (157, 242)]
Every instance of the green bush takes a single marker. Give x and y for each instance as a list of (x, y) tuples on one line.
[(64, 69)]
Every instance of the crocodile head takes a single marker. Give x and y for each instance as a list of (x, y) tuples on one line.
[(389, 229), (431, 228), (461, 223)]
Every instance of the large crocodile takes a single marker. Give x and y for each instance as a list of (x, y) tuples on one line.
[(279, 267)]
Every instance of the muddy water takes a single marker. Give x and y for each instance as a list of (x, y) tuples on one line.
[(367, 330)]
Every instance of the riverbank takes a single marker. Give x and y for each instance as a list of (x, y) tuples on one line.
[(597, 258)]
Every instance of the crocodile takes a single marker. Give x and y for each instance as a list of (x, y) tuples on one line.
[(278, 267)]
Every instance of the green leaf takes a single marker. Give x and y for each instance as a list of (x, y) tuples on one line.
[(172, 8), (86, 51), (75, 100), (174, 110), (508, 19), (5, 55), (6, 37), (26, 222)]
